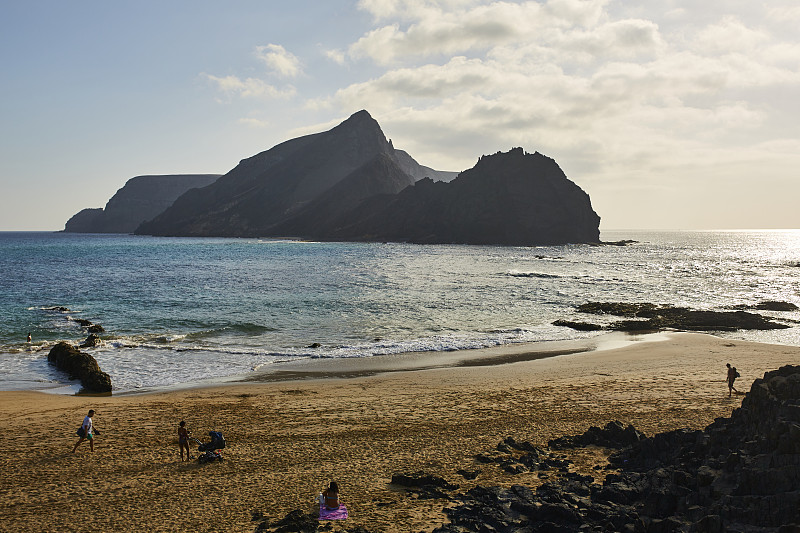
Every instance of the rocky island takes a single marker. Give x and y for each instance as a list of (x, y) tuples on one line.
[(140, 199), (351, 184)]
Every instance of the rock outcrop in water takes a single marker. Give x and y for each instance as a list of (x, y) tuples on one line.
[(79, 365), (350, 184), (139, 200), (651, 317)]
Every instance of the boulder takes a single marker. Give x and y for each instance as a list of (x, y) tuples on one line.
[(92, 340), (79, 365)]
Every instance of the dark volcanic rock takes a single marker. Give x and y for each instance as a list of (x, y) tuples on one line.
[(295, 522), (380, 175), (425, 486), (579, 326), (79, 365), (650, 317), (350, 184), (739, 474), (613, 435), (770, 305), (139, 200), (510, 198), (272, 187), (91, 340)]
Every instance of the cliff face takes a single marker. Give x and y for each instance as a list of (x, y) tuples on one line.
[(271, 187), (349, 183), (510, 198), (140, 199)]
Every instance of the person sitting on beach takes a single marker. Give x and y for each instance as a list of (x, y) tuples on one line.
[(87, 429), (732, 375), (183, 439), (330, 496)]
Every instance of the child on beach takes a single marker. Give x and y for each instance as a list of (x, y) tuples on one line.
[(183, 439)]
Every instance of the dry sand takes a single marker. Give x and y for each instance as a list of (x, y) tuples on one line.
[(288, 437)]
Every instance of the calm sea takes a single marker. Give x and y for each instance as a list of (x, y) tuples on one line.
[(179, 311)]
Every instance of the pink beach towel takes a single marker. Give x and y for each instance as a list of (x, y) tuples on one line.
[(333, 514)]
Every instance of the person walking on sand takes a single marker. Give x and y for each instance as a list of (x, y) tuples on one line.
[(87, 431), (732, 375), (183, 439)]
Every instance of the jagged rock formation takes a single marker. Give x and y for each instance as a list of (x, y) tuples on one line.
[(139, 200), (79, 365), (350, 184), (510, 198), (739, 474), (274, 187), (381, 175), (410, 166)]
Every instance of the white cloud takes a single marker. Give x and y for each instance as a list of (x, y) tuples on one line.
[(728, 36), (279, 60), (254, 122), (337, 56), (248, 87)]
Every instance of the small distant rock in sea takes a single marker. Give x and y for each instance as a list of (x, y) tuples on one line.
[(92, 340), (769, 305)]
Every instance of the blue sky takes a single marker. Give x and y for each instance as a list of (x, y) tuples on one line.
[(671, 114)]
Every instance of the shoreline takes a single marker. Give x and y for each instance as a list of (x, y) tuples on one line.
[(356, 367), (286, 439)]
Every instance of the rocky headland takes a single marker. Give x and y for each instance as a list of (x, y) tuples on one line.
[(508, 198), (139, 200)]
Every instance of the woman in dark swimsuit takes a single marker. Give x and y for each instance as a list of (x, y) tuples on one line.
[(183, 439)]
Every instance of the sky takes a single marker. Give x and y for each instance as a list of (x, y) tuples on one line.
[(670, 114)]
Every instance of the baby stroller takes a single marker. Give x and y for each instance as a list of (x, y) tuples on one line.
[(210, 449)]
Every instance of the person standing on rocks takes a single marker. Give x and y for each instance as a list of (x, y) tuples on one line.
[(732, 375), (86, 431)]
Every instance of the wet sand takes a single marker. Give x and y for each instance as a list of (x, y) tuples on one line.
[(292, 430)]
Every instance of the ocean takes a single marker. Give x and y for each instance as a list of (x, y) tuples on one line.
[(187, 311)]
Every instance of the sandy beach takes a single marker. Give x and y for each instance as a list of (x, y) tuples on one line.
[(358, 422)]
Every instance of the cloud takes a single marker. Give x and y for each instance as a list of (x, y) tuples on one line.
[(727, 36), (254, 122), (279, 61), (248, 87), (337, 56)]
